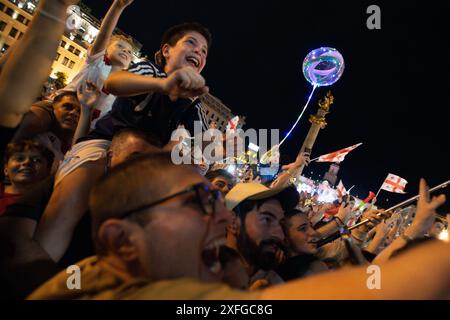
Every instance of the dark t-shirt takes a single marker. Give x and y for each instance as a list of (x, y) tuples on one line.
[(152, 113)]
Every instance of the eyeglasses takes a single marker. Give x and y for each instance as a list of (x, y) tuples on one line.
[(207, 204)]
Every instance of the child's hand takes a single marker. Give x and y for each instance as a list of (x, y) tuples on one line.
[(88, 95), (184, 83)]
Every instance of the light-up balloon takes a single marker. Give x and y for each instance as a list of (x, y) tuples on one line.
[(323, 66)]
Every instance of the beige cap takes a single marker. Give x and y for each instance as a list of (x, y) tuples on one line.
[(288, 196)]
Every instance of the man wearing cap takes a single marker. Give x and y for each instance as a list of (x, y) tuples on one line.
[(256, 231)]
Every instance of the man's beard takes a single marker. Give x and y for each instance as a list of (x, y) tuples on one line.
[(260, 256)]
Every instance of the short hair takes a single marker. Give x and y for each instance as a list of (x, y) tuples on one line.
[(63, 94), (212, 174), (127, 186), (118, 37), (246, 206), (175, 33), (286, 221), (27, 145), (121, 135)]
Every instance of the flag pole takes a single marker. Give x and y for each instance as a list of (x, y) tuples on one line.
[(335, 236), (378, 192)]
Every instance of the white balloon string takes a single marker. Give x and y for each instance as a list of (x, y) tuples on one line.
[(300, 116)]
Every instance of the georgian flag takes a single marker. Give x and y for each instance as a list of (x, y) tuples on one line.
[(340, 189), (394, 183), (337, 156), (232, 124)]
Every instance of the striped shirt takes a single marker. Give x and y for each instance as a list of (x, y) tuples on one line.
[(152, 113)]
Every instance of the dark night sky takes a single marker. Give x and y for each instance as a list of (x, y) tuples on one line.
[(392, 96)]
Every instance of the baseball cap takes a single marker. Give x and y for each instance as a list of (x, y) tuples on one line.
[(288, 196)]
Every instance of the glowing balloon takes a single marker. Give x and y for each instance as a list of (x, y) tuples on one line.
[(323, 66)]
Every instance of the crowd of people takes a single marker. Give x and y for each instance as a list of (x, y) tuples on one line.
[(89, 181)]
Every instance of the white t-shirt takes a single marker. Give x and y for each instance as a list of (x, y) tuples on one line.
[(97, 71)]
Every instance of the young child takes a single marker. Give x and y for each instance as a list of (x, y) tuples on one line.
[(108, 53)]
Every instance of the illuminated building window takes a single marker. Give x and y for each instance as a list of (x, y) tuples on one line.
[(57, 56), (77, 52), (65, 61), (71, 49), (2, 25), (13, 32), (71, 64), (4, 48), (63, 43)]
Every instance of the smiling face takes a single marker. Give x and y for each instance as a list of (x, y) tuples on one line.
[(222, 184), (300, 235), (26, 167), (120, 53), (190, 50), (176, 239), (67, 112), (180, 240)]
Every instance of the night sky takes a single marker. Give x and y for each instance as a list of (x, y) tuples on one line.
[(393, 95)]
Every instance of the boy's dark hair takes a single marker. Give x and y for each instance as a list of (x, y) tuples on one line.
[(63, 94), (26, 145), (175, 33), (211, 175)]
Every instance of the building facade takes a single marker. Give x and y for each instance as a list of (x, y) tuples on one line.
[(217, 113), (16, 15)]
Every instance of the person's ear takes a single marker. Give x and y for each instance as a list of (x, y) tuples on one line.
[(235, 225), (115, 236), (5, 171), (165, 51)]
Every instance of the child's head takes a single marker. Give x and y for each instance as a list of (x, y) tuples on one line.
[(183, 45), (120, 51), (26, 162)]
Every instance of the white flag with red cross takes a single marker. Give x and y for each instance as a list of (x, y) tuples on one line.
[(232, 124), (394, 183), (337, 156), (340, 189)]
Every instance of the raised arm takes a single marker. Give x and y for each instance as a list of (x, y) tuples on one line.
[(88, 95), (426, 210), (415, 281), (109, 23), (35, 51), (182, 83), (37, 120)]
